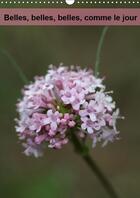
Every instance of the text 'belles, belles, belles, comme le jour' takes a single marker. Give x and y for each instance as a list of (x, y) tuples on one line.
[(69, 17)]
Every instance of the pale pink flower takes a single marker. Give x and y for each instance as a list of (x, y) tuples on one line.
[(87, 125), (67, 98), (89, 110), (32, 148), (36, 122), (53, 118)]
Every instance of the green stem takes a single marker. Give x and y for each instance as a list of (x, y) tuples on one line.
[(79, 146), (98, 54), (15, 66), (82, 150)]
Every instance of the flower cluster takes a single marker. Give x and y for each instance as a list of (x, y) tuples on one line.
[(66, 99)]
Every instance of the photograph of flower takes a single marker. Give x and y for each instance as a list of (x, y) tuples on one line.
[(69, 112)]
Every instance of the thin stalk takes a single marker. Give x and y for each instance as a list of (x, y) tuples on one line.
[(15, 66), (83, 151), (99, 48), (79, 146)]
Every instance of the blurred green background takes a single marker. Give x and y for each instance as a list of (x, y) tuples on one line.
[(61, 173)]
